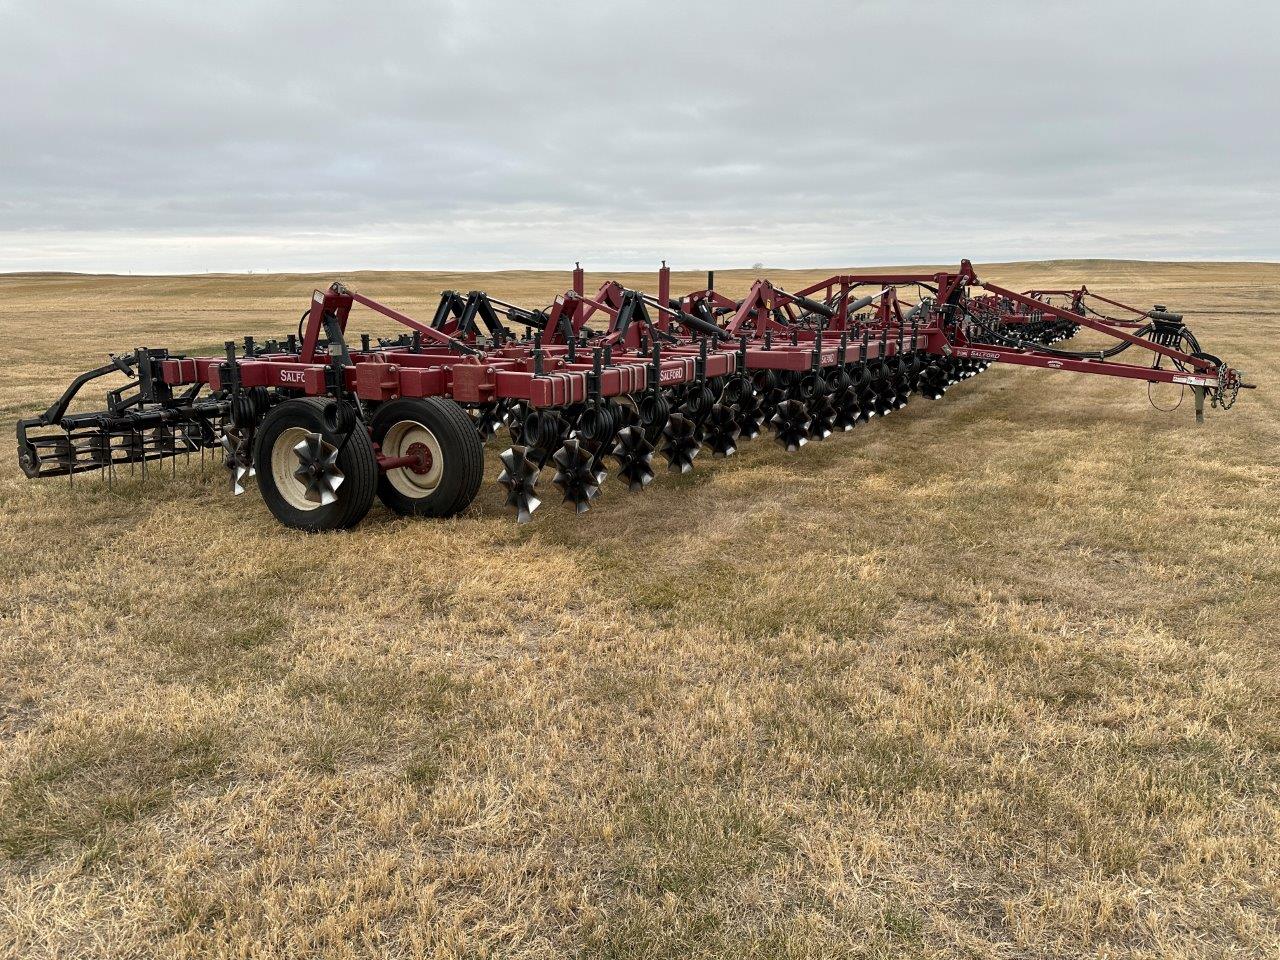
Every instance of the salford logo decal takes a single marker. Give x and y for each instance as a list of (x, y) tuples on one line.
[(670, 375), (292, 376)]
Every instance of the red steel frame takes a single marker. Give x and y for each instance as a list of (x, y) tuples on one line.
[(1079, 304), (864, 340), (816, 327), (542, 375), (1197, 372)]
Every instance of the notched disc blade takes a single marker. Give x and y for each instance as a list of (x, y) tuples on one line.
[(634, 454), (519, 477), (681, 444), (237, 451), (791, 424), (721, 430), (576, 474)]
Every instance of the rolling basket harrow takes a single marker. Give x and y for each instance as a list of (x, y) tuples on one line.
[(594, 381)]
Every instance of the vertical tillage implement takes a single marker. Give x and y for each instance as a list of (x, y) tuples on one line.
[(326, 422)]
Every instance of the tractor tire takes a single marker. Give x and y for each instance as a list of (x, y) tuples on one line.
[(454, 467), (352, 481)]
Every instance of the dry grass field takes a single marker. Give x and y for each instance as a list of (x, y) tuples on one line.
[(994, 677)]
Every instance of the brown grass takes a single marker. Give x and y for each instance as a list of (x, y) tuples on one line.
[(995, 677)]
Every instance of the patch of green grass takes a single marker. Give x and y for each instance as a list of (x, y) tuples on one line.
[(619, 685), (643, 933), (252, 635), (363, 713), (1078, 680), (219, 651), (82, 785), (901, 925), (325, 749), (429, 754), (373, 691), (189, 908), (688, 846), (887, 768)]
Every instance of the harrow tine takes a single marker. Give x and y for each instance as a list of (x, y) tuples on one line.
[(599, 453), (596, 425), (932, 382), (844, 402), (488, 417), (516, 413), (654, 410), (884, 395), (543, 431), (848, 412), (628, 415), (698, 400)]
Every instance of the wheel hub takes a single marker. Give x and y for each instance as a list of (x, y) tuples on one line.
[(420, 476), (422, 453)]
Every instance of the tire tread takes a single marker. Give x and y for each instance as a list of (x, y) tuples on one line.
[(458, 440), (359, 487)]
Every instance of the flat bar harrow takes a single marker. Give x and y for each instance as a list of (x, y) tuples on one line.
[(326, 421)]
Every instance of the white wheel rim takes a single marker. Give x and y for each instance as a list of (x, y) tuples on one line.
[(284, 461), (399, 442)]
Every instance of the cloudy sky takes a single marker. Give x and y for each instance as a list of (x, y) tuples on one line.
[(188, 135)]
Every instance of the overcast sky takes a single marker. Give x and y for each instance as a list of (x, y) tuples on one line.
[(177, 136)]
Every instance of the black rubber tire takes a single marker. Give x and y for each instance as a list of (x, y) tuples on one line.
[(460, 448), (356, 460)]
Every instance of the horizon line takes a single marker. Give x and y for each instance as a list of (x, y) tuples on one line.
[(606, 269)]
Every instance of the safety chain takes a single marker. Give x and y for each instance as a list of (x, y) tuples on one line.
[(1228, 389)]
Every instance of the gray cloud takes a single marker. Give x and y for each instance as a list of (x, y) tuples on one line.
[(177, 135)]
